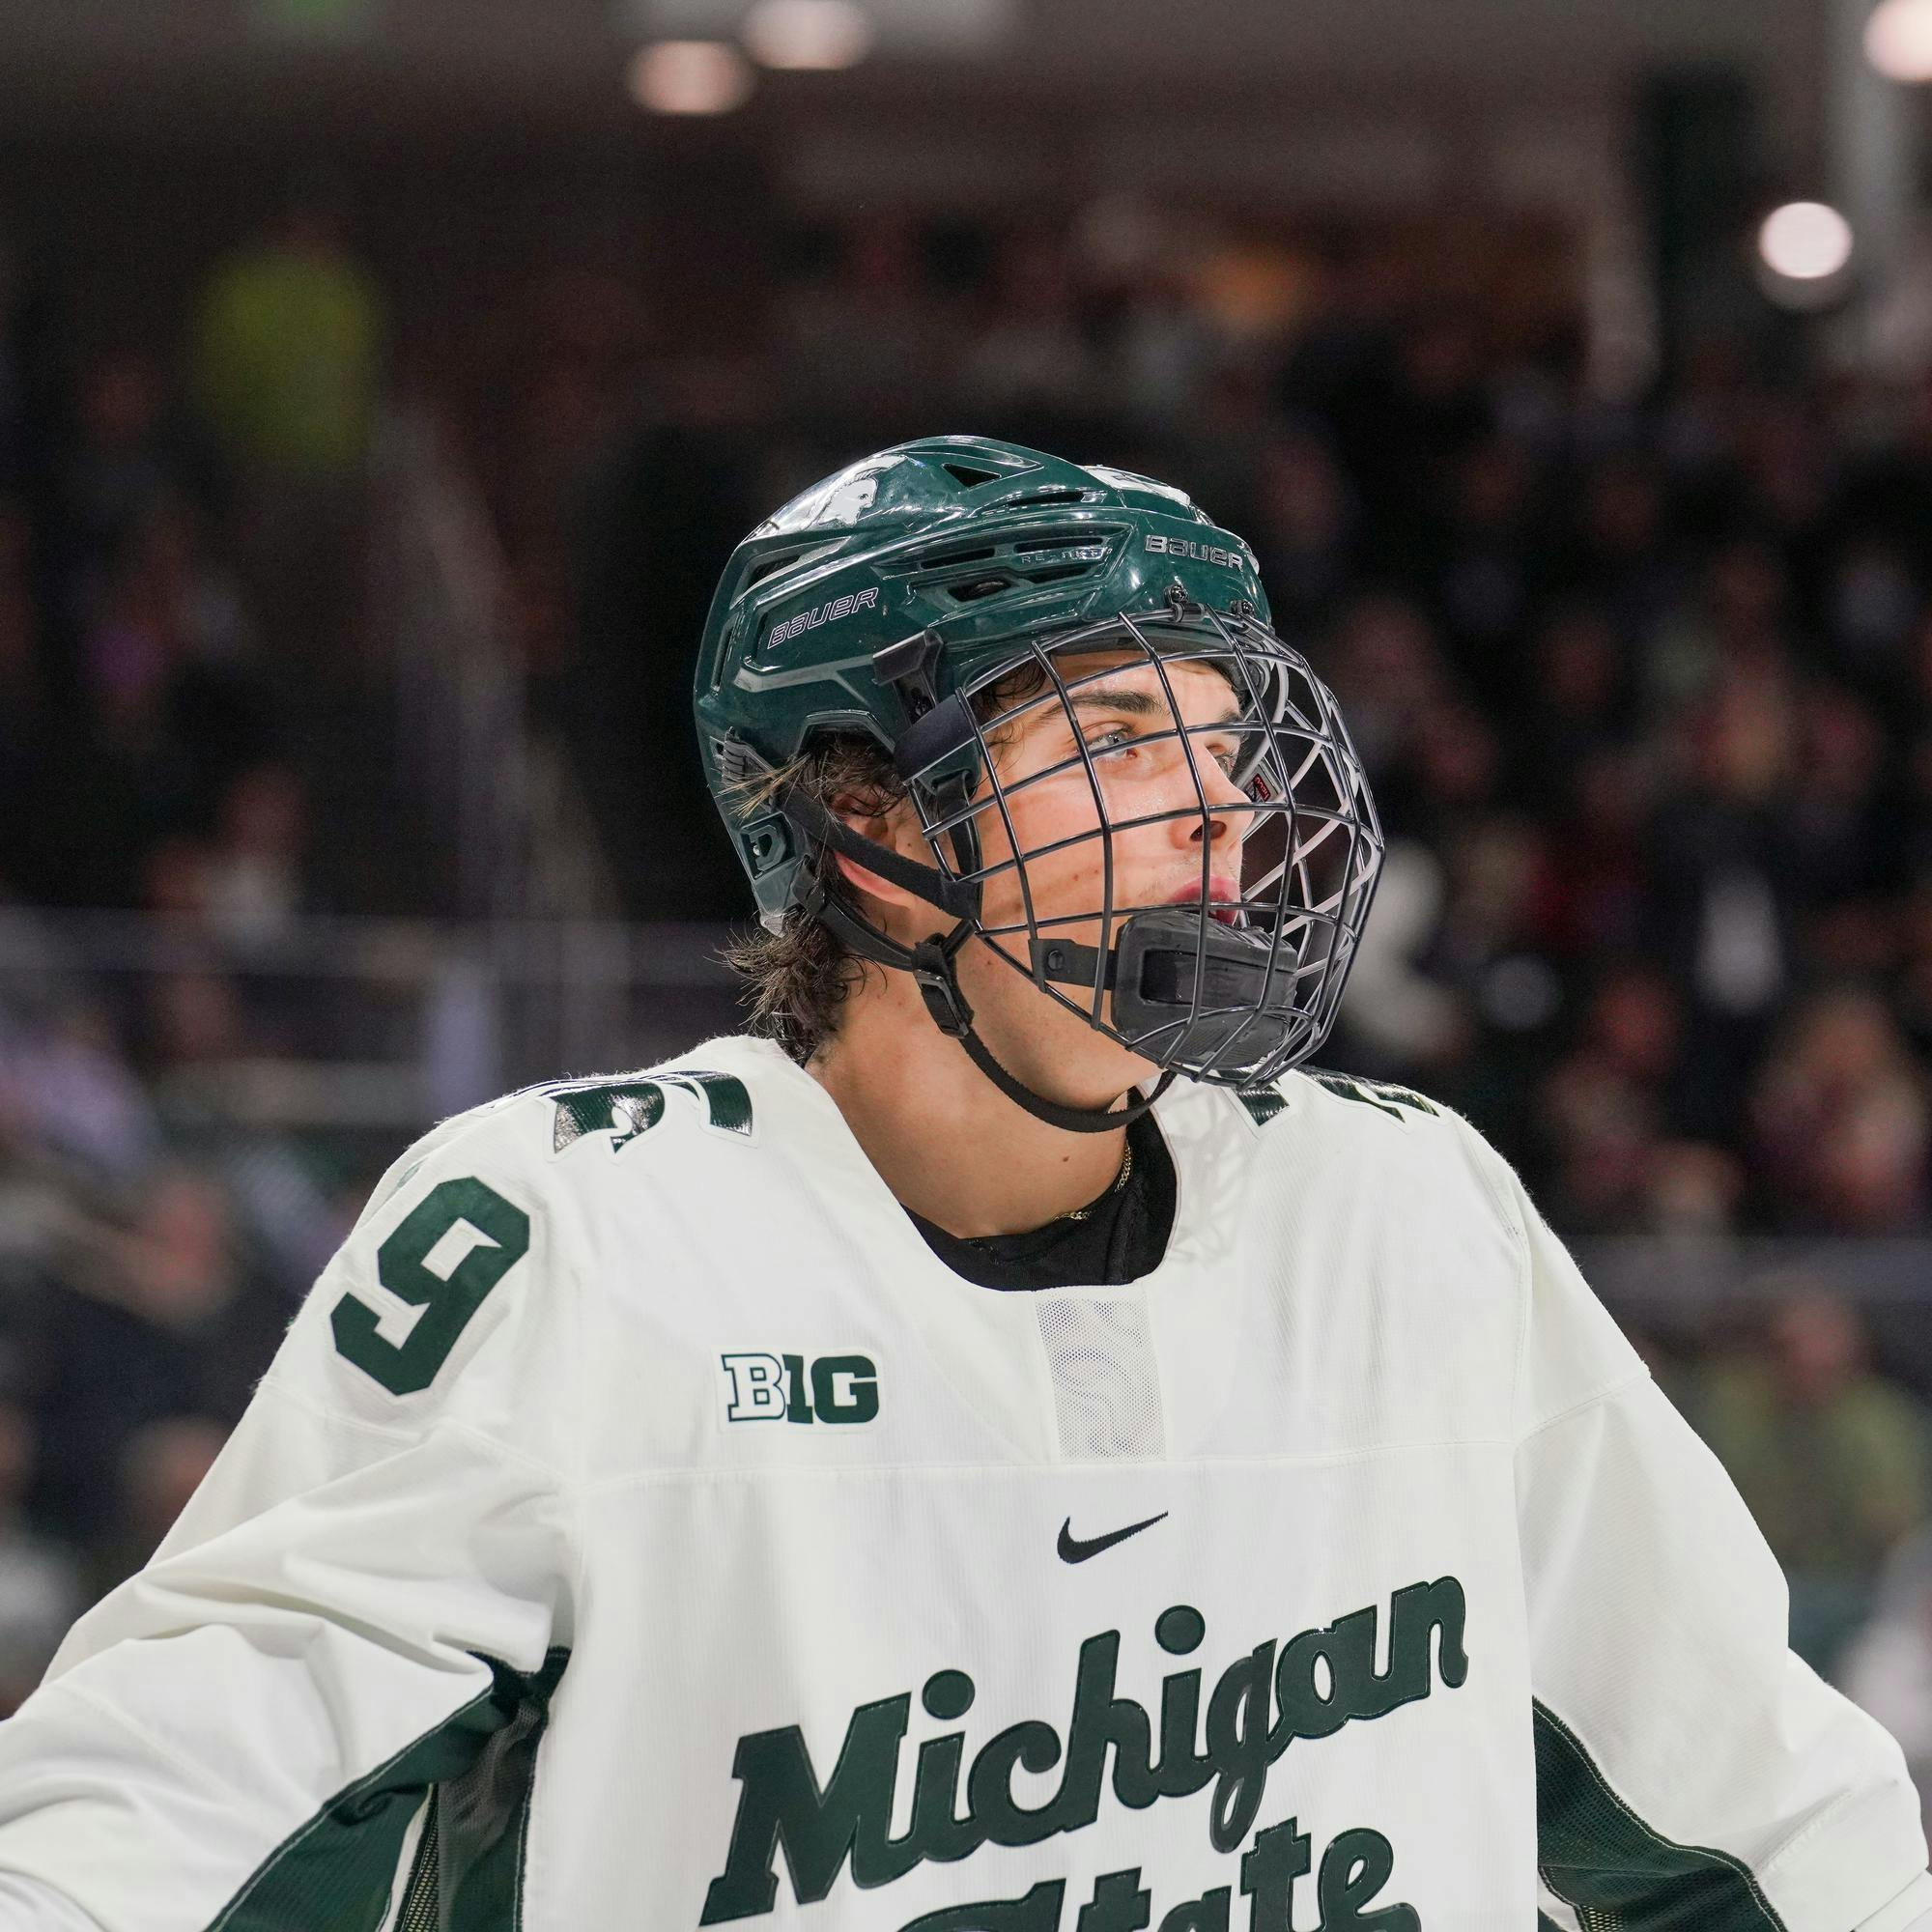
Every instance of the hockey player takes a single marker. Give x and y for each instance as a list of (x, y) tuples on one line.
[(1000, 1449)]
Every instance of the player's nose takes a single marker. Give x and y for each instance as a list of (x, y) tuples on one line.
[(1226, 812)]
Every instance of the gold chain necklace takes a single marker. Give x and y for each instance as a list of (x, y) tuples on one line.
[(1119, 1181)]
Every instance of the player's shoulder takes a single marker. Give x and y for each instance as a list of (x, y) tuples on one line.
[(1348, 1102), (549, 1136), (1396, 1131), (1348, 1106), (492, 1220)]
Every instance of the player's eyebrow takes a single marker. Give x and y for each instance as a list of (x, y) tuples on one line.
[(1132, 702)]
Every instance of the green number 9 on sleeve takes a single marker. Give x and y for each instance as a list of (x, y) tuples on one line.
[(447, 1299)]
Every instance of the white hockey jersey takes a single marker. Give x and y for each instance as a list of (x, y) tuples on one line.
[(640, 1530)]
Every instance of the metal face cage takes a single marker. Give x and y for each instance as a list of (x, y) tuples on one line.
[(1184, 860)]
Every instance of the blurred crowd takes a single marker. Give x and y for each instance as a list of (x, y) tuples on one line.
[(1643, 684), (176, 565), (177, 571)]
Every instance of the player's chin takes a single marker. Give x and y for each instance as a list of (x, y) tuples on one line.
[(1137, 1067), (1048, 1041), (1092, 1068)]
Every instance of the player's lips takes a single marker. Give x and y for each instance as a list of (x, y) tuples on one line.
[(1223, 895)]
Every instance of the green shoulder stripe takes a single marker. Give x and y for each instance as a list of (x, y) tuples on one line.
[(1381, 1095), (1597, 1854), (626, 1109), (338, 1869), (1262, 1103)]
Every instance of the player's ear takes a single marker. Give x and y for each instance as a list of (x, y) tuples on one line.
[(894, 826)]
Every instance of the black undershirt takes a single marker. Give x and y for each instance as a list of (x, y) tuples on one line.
[(1122, 1239)]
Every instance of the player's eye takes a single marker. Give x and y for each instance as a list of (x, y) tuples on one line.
[(1111, 742), (1227, 754)]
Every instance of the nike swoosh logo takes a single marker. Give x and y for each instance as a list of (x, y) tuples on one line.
[(1076, 1549)]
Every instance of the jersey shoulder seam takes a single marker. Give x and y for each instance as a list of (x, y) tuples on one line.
[(391, 1433), (1591, 1401)]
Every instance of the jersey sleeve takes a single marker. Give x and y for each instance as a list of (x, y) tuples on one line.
[(1691, 1769), (376, 1581)]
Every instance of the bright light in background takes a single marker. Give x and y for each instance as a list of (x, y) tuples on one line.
[(918, 29), (690, 77), (816, 35), (1898, 40), (1805, 240)]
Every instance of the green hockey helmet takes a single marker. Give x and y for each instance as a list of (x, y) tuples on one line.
[(896, 599)]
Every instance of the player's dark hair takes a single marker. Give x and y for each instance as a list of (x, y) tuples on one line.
[(798, 978)]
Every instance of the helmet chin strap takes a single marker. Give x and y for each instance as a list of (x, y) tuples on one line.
[(931, 965), (934, 727)]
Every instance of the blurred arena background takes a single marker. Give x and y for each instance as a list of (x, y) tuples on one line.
[(383, 383)]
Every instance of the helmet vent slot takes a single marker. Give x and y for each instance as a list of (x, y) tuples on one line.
[(767, 565), (938, 560), (1054, 572), (1035, 498), (966, 474), (977, 587), (1062, 540)]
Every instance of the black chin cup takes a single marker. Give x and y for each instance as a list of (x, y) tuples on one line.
[(1185, 988)]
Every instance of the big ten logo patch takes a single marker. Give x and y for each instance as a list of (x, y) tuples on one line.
[(838, 1389)]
